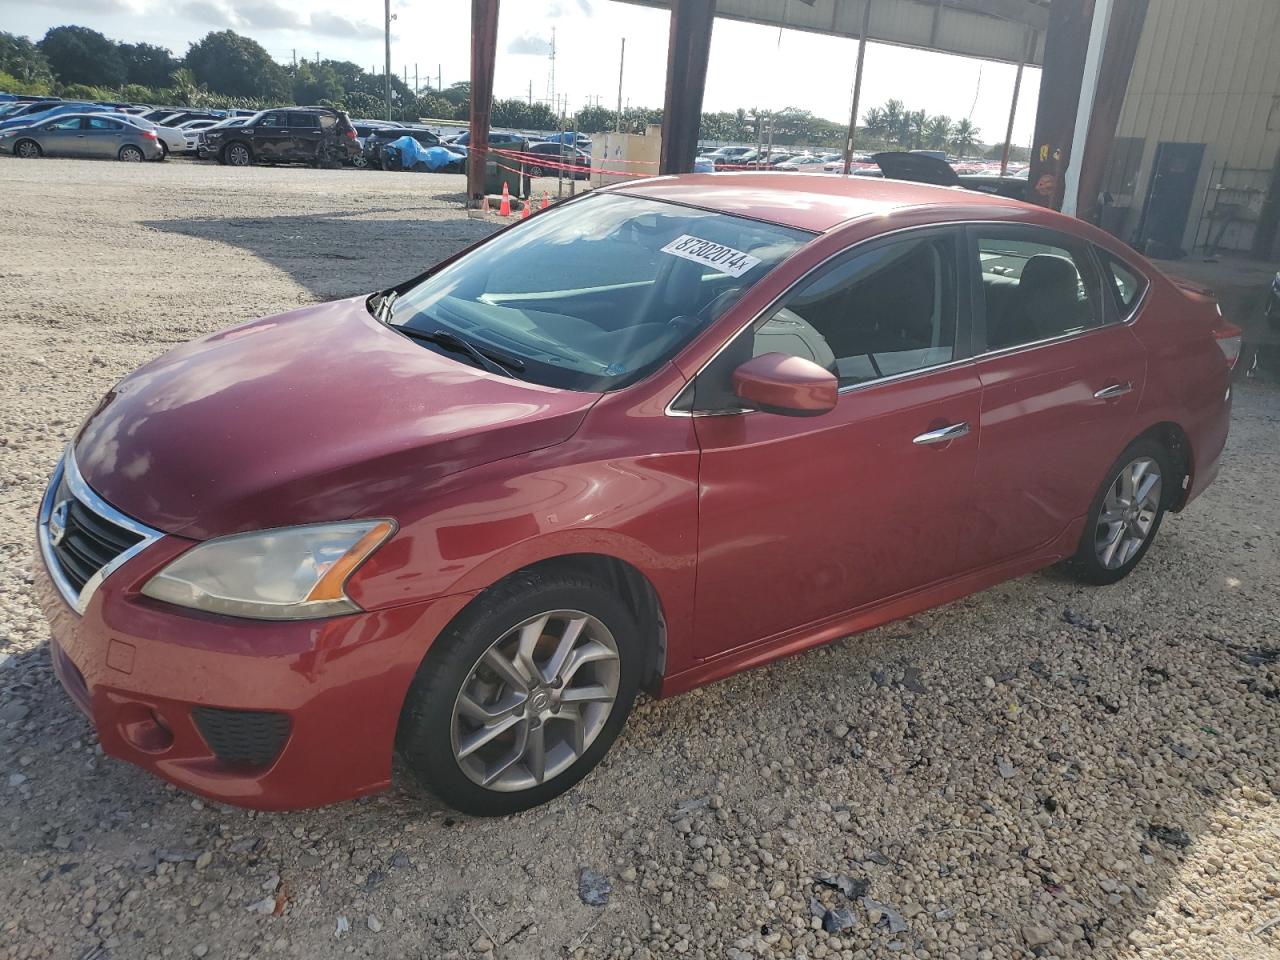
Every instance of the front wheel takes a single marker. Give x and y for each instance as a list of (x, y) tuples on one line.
[(27, 149), (130, 154), (238, 155), (522, 694), (1125, 515)]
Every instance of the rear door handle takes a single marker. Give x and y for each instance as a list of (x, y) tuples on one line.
[(1113, 391), (943, 434)]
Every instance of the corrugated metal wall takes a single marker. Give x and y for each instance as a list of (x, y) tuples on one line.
[(1207, 71)]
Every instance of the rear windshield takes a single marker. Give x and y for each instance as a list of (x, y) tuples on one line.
[(596, 294)]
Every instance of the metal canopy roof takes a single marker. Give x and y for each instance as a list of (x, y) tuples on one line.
[(988, 29)]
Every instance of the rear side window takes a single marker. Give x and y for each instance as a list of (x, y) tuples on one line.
[(97, 123), (308, 121), (1127, 284), (1036, 286)]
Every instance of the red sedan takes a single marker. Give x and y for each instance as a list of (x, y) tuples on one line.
[(644, 439)]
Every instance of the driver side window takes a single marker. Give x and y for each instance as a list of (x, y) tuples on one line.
[(869, 315), (888, 311)]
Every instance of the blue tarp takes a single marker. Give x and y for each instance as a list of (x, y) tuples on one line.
[(412, 153)]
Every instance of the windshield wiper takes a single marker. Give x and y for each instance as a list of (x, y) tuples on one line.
[(486, 359), (382, 312)]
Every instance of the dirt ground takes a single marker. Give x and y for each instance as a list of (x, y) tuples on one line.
[(1041, 769)]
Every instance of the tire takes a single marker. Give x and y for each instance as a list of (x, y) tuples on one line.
[(130, 154), (237, 155), (164, 153), (27, 150), (1109, 550), (528, 612)]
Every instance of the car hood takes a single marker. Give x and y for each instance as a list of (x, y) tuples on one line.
[(315, 415)]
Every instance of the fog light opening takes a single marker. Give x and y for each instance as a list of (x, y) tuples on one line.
[(145, 730)]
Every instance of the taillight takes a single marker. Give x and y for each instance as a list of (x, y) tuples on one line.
[(1230, 339), (149, 135), (351, 134)]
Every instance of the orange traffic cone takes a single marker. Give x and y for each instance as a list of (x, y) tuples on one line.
[(484, 204), (527, 210), (504, 209), (546, 201)]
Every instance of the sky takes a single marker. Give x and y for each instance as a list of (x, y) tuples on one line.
[(751, 65)]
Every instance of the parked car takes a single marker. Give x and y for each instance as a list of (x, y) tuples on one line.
[(379, 137), (467, 516), (82, 135), (807, 163), (704, 165), (556, 155), (726, 154), (927, 167), (41, 112), (316, 135), (508, 141)]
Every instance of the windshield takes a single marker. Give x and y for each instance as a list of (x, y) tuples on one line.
[(596, 294)]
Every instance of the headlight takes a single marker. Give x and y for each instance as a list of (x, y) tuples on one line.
[(293, 573)]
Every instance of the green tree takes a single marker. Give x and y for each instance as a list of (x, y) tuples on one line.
[(964, 135), (22, 60), (434, 107), (593, 119), (937, 132), (147, 64), (228, 63), (459, 94), (84, 56), (364, 106), (316, 83), (876, 122)]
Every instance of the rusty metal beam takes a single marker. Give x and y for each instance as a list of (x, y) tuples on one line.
[(688, 51), (1066, 43), (1127, 19), (484, 54)]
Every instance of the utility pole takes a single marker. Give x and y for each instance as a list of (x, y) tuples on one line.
[(857, 87), (531, 91), (439, 78), (551, 81), (295, 58), (622, 58), (386, 76), (416, 88)]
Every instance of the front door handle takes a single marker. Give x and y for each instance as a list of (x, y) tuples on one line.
[(944, 434), (1113, 391)]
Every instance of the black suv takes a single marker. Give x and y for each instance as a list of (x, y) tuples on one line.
[(317, 135)]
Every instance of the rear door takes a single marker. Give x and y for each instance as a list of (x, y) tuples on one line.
[(306, 134), (1061, 379), (103, 137)]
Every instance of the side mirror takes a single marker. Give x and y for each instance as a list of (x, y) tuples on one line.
[(791, 386)]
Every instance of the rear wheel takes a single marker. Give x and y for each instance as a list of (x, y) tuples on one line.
[(130, 154), (27, 149), (523, 694), (237, 155), (1125, 514)]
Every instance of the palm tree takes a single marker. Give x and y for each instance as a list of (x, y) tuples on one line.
[(963, 136), (937, 132), (875, 121)]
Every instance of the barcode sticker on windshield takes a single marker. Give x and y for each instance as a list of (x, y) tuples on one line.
[(726, 259)]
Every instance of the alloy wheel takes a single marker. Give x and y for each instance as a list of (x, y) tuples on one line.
[(238, 155), (28, 150), (1128, 512), (130, 154), (535, 700)]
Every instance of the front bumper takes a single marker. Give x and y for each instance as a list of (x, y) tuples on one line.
[(141, 669)]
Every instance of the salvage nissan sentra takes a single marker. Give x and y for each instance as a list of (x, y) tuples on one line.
[(642, 440)]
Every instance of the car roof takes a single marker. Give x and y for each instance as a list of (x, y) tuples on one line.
[(807, 201)]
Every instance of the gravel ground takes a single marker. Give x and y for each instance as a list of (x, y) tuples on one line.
[(1037, 770)]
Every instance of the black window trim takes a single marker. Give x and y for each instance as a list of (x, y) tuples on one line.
[(965, 340), (1104, 258), (978, 306)]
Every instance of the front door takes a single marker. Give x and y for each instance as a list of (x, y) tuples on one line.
[(1061, 380), (270, 136), (802, 519), (1169, 198)]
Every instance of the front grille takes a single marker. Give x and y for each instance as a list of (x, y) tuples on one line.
[(252, 738), (89, 541), (82, 536)]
